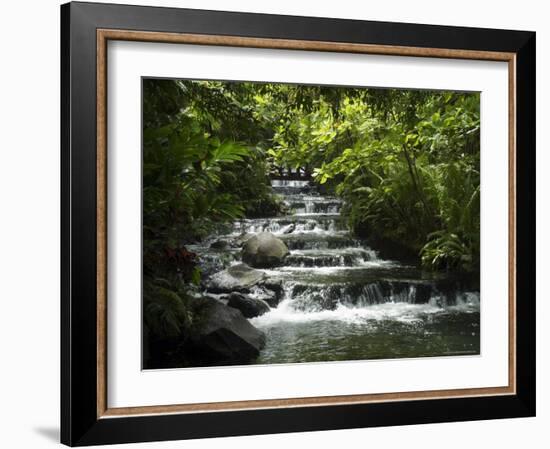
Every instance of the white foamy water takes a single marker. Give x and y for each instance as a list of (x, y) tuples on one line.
[(313, 224), (398, 311), (280, 271), (316, 214), (336, 269), (277, 229), (285, 313)]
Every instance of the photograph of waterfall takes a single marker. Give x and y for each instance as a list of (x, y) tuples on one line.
[(287, 223)]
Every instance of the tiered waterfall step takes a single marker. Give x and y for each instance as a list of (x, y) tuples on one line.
[(312, 240), (313, 204), (289, 224), (324, 288), (337, 257)]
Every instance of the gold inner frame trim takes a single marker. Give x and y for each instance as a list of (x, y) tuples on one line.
[(103, 36)]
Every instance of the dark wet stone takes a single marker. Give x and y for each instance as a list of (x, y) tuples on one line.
[(224, 335), (250, 307)]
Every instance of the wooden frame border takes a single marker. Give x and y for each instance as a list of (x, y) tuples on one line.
[(105, 35)]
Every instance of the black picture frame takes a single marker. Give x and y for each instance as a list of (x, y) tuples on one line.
[(80, 423)]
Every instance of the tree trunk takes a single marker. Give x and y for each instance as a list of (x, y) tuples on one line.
[(416, 184)]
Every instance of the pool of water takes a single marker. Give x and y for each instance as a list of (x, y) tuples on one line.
[(383, 331)]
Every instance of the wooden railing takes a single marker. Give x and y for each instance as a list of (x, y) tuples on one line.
[(302, 173)]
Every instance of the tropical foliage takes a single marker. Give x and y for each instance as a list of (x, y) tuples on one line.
[(407, 165), (202, 167)]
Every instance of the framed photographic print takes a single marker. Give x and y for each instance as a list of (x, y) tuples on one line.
[(277, 224)]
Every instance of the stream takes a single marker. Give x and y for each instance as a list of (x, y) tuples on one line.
[(341, 301)]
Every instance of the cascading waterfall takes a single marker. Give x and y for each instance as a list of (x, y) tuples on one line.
[(336, 269), (342, 302)]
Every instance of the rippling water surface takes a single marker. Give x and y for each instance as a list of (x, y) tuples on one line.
[(390, 330)]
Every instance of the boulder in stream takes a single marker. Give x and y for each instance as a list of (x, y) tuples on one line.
[(238, 277), (225, 336), (239, 241), (264, 250), (249, 306)]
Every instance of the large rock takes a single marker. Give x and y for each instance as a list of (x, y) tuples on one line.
[(249, 306), (235, 278), (264, 250), (225, 336), (239, 241)]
